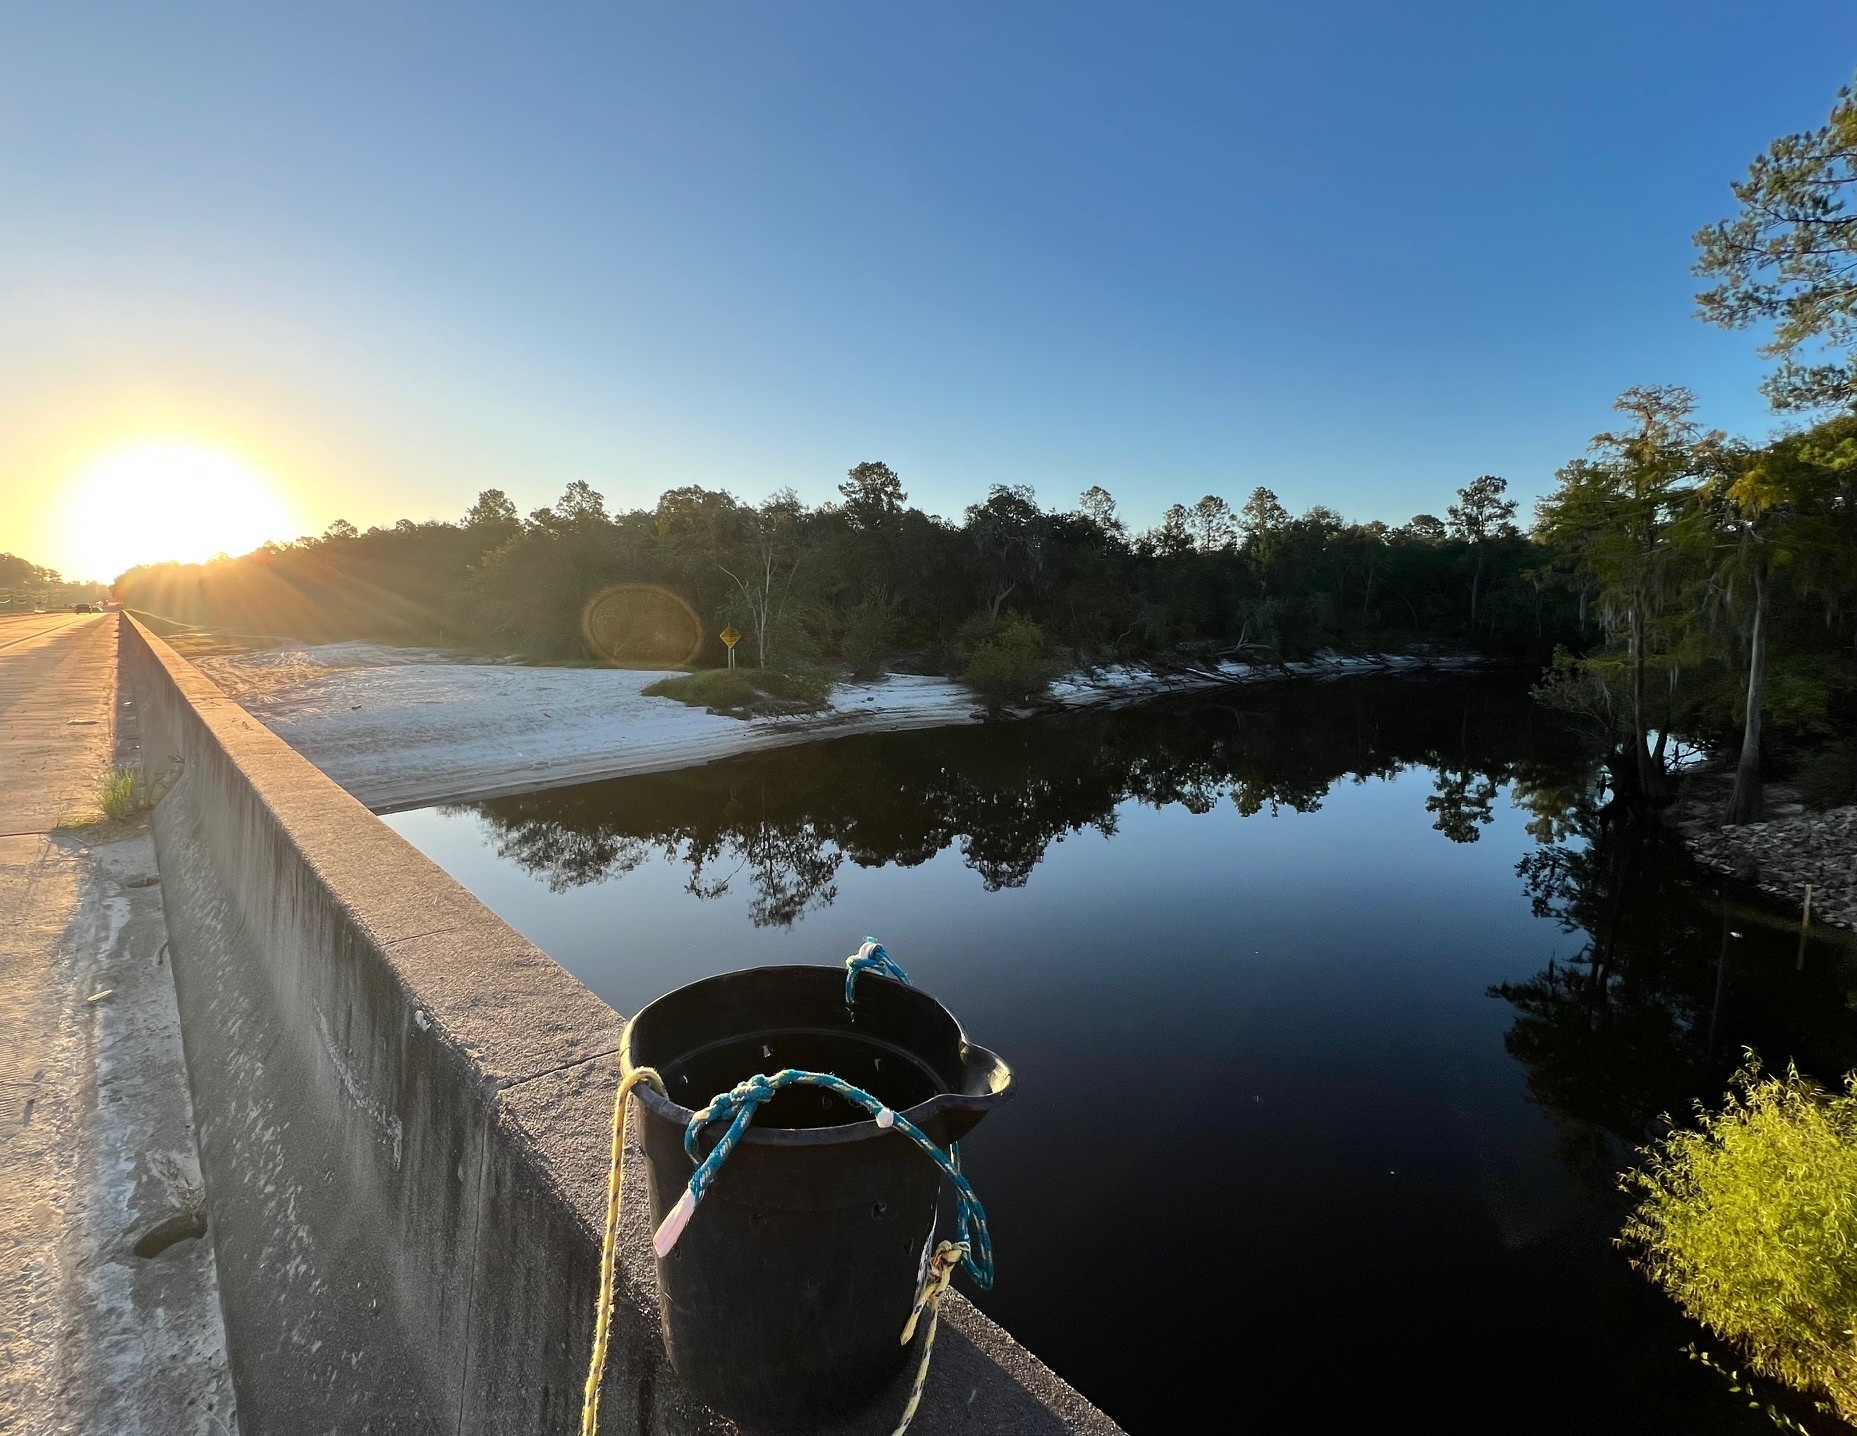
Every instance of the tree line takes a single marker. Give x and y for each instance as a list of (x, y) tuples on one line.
[(869, 580), (25, 585), (1690, 589)]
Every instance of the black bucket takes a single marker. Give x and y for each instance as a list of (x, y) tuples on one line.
[(785, 1299)]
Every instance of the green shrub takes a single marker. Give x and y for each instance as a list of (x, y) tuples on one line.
[(707, 687), (869, 634), (1827, 778), (746, 692), (1008, 665), (1749, 1220), (123, 795), (801, 687)]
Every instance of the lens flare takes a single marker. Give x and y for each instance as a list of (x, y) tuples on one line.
[(642, 623)]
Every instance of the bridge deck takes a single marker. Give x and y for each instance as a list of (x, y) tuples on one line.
[(96, 1133)]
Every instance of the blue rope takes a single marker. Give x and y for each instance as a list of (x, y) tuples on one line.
[(870, 958), (737, 1107)]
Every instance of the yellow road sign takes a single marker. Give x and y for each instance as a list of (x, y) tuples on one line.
[(730, 636)]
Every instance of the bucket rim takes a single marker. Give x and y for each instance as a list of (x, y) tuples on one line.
[(669, 1109)]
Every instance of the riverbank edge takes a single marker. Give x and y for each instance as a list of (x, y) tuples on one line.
[(1785, 856)]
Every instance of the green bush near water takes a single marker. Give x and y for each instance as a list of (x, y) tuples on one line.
[(1749, 1220), (869, 633), (745, 692), (1008, 664)]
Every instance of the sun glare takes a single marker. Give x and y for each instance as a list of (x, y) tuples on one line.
[(156, 502)]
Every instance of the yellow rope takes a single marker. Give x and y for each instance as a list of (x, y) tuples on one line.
[(609, 1251), (935, 1281)]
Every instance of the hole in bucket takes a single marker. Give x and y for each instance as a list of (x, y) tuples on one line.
[(877, 1209), (891, 1074)]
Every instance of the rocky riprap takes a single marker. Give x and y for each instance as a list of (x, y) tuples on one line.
[(1781, 856)]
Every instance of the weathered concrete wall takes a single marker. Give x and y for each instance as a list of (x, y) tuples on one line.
[(403, 1113)]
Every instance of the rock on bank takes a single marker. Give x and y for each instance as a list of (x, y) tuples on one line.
[(1786, 855)]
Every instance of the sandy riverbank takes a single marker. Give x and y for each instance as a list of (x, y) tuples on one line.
[(403, 728)]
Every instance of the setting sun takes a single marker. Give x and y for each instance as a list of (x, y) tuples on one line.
[(154, 502)]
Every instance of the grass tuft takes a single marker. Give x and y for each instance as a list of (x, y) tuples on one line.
[(746, 692), (123, 795)]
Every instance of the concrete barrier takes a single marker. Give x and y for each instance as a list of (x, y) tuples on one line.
[(403, 1108)]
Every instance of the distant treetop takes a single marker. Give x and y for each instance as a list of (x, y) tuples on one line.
[(1789, 258)]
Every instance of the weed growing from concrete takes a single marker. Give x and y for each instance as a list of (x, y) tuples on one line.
[(123, 795)]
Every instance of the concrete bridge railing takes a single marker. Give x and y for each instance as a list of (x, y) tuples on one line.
[(403, 1110)]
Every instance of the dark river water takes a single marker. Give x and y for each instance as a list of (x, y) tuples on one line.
[(1334, 1009)]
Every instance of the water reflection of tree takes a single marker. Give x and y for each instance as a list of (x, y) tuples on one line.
[(784, 823), (569, 857), (1673, 974), (1464, 800)]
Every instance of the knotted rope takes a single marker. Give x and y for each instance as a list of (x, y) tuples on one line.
[(936, 1278), (973, 1250), (870, 958)]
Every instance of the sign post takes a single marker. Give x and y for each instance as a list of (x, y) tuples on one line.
[(730, 636)]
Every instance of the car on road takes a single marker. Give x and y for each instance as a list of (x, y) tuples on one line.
[(82, 608)]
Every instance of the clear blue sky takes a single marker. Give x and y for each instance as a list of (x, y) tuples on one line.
[(1357, 252)]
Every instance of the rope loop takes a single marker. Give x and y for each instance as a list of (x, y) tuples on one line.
[(972, 1251), (737, 1107), (870, 958)]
